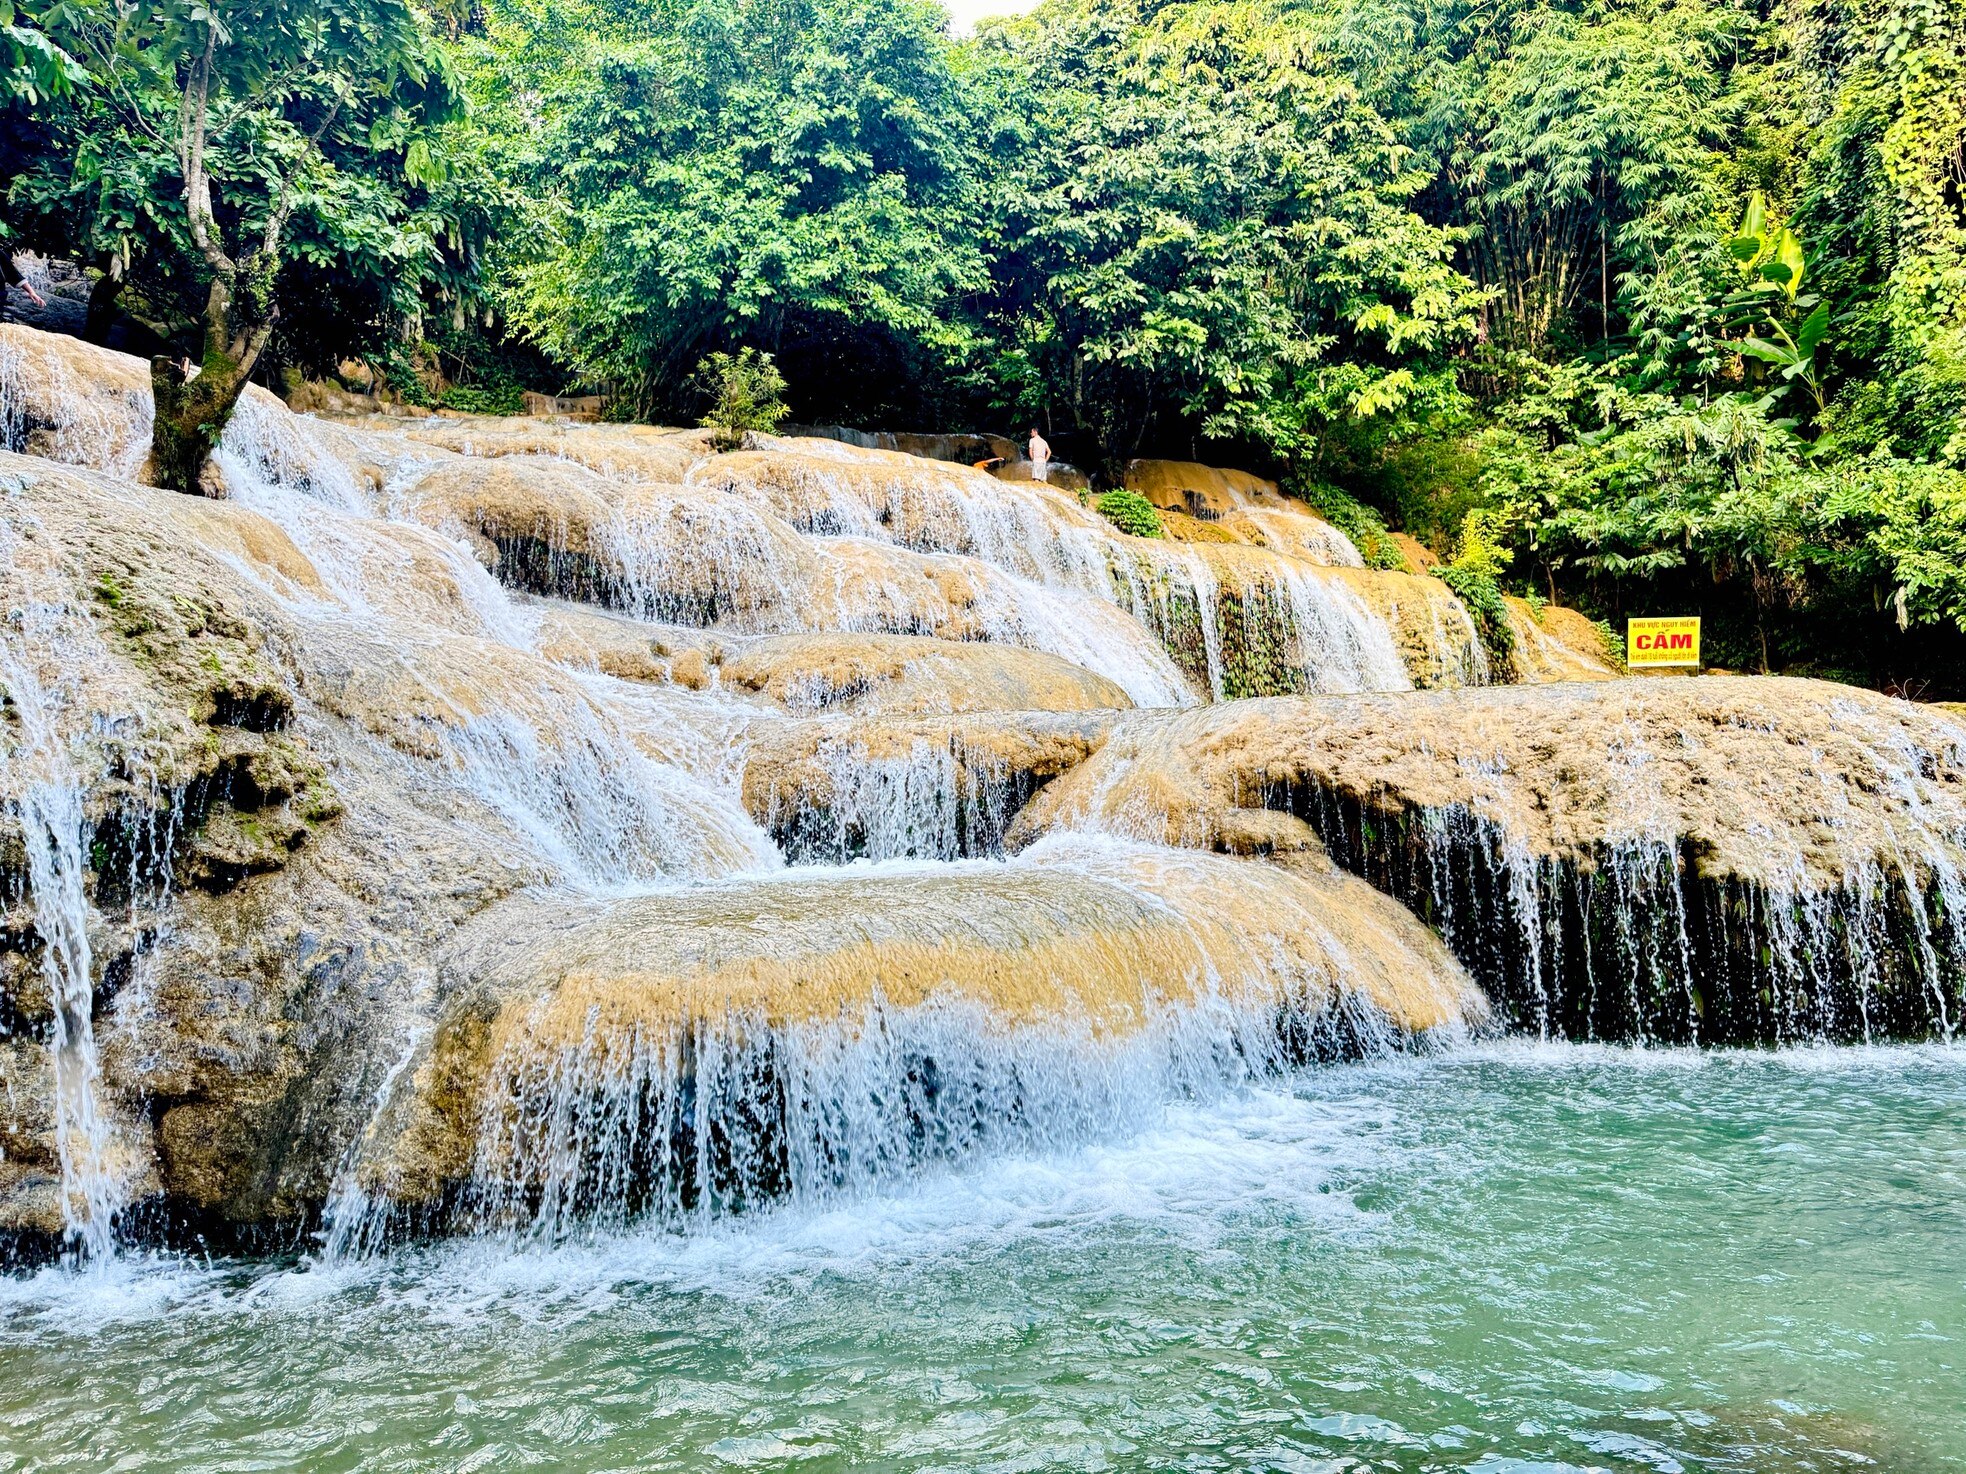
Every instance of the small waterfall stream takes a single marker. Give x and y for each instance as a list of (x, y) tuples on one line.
[(45, 650), (1728, 862)]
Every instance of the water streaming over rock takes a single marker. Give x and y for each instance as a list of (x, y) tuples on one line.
[(839, 1028), (94, 414), (1725, 860), (930, 800), (596, 782), (564, 826), (1240, 625), (45, 800)]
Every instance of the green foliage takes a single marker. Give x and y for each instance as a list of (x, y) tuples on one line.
[(484, 399), (1130, 512), (1770, 300), (324, 155), (797, 177), (1364, 526), (1610, 642), (33, 68), (1572, 140), (1665, 300), (1483, 597), (746, 393), (1206, 230), (402, 372), (1475, 575), (1895, 524)]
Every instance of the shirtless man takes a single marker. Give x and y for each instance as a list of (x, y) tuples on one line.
[(1040, 457)]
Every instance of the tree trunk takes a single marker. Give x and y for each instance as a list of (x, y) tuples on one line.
[(193, 409)]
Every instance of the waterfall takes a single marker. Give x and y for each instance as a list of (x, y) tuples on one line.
[(47, 409), (1310, 538), (811, 853), (599, 1111), (1051, 555), (1262, 627), (1340, 644), (1631, 942), (1208, 610), (574, 764), (685, 560), (44, 650), (731, 1115), (1725, 861), (931, 801)]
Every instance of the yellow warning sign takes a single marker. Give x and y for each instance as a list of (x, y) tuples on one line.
[(1662, 642)]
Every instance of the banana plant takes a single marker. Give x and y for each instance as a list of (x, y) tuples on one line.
[(1773, 265), (1795, 356)]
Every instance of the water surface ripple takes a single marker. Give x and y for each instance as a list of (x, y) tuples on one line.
[(1516, 1259)]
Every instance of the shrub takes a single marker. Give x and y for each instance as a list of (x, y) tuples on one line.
[(1130, 512), (1365, 527), (1474, 575), (746, 393), (484, 399), (1612, 641)]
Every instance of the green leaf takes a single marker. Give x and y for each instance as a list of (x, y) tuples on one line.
[(1788, 254), (1755, 219)]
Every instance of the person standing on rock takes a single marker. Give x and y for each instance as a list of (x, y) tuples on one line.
[(1040, 457)]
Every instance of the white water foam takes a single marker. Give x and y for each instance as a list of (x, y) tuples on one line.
[(45, 650)]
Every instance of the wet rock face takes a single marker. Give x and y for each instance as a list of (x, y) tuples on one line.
[(64, 400), (342, 790), (831, 791), (1722, 859), (146, 687), (988, 1003), (453, 826), (890, 676)]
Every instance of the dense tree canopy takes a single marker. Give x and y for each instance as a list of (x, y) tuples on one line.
[(199, 149), (1647, 303), (796, 175)]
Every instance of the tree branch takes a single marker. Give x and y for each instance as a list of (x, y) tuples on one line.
[(133, 115), (196, 119), (276, 220)]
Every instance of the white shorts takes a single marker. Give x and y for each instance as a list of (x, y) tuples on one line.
[(1040, 470)]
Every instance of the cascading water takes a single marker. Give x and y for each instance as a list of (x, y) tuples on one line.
[(1639, 863), (732, 1115), (618, 993), (46, 409), (1313, 540), (932, 801), (569, 765), (1339, 644), (44, 650), (1634, 944), (1056, 553), (604, 1110), (596, 792)]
